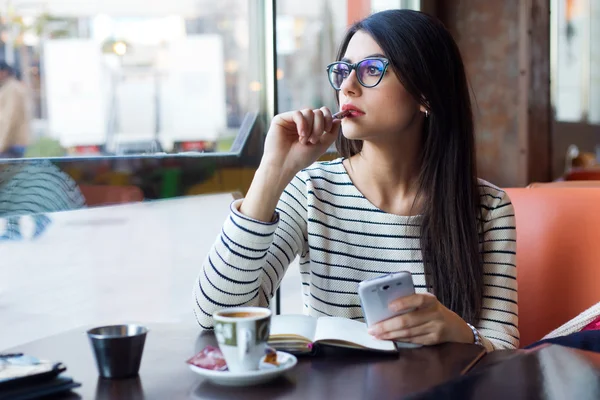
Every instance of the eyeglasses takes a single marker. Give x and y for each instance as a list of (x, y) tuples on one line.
[(369, 72)]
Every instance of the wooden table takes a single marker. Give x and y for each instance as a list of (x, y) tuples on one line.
[(165, 375), (546, 373)]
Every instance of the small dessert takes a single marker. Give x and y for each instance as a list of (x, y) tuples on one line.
[(271, 356)]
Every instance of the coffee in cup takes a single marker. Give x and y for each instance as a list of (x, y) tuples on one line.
[(242, 334), (240, 314)]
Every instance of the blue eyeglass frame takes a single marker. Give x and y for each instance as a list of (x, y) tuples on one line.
[(354, 66)]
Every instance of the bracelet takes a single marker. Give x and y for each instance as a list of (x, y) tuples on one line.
[(476, 335)]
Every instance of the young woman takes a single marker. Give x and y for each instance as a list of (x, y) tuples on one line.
[(404, 196)]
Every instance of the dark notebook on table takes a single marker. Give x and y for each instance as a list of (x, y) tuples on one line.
[(24, 377)]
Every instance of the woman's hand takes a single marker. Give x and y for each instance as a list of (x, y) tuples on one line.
[(296, 139), (428, 324)]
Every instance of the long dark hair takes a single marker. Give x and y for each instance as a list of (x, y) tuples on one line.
[(427, 62)]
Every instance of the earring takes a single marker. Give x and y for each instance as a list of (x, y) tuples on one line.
[(426, 113)]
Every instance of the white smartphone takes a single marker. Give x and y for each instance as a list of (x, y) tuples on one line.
[(376, 294)]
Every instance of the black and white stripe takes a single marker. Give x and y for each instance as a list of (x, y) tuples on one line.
[(342, 239)]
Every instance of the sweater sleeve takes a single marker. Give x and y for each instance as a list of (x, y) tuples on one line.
[(498, 322), (249, 258)]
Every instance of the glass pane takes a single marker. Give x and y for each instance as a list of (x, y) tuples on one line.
[(594, 113), (133, 76), (575, 55), (382, 5), (87, 228), (302, 81)]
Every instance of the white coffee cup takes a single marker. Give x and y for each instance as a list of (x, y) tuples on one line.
[(242, 334)]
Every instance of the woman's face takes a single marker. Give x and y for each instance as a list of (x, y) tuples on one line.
[(386, 109)]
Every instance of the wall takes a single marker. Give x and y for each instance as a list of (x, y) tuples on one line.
[(505, 47)]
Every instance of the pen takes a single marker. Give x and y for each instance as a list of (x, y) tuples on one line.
[(341, 114)]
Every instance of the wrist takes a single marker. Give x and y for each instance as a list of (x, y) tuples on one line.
[(276, 170), (272, 178), (462, 332), (274, 174), (264, 193)]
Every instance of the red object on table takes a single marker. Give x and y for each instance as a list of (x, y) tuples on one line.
[(209, 358)]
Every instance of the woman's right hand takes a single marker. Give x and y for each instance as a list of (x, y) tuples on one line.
[(296, 139)]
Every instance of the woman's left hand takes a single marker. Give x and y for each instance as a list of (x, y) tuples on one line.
[(428, 324)]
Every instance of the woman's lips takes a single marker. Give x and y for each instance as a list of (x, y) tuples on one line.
[(354, 114), (353, 111)]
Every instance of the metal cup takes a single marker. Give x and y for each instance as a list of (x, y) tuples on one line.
[(118, 349)]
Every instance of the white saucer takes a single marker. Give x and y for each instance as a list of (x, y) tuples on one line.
[(263, 374)]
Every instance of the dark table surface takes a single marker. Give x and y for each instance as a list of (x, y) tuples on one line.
[(165, 375), (550, 373)]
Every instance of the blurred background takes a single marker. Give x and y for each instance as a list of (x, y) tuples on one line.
[(111, 78), (107, 105)]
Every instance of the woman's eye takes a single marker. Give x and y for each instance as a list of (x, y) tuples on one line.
[(374, 71)]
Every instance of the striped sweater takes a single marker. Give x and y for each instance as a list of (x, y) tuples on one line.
[(342, 239)]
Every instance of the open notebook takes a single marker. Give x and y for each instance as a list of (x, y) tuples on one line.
[(302, 334)]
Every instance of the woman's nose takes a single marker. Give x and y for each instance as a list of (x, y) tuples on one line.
[(350, 86)]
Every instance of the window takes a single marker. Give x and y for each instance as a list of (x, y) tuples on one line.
[(122, 80), (575, 60), (135, 76), (308, 33)]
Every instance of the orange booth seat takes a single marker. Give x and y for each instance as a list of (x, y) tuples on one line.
[(558, 256), (102, 195)]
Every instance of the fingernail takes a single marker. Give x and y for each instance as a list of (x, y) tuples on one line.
[(302, 133), (373, 331)]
